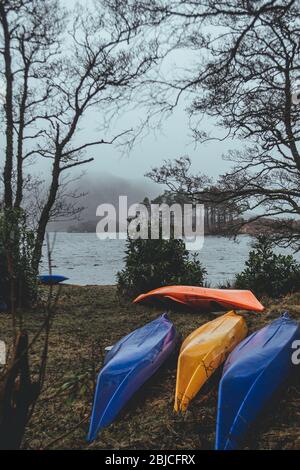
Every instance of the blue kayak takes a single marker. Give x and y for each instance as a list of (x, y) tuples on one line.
[(127, 366), (256, 369), (52, 279), (3, 306)]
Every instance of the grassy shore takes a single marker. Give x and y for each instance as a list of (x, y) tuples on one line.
[(90, 318)]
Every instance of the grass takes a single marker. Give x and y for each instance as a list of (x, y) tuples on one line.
[(90, 318)]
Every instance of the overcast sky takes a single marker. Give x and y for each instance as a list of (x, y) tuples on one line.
[(173, 141)]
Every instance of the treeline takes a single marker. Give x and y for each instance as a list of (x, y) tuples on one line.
[(217, 221), (219, 218)]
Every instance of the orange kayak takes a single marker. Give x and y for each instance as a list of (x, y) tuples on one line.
[(205, 298)]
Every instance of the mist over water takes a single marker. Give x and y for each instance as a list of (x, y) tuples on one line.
[(105, 189)]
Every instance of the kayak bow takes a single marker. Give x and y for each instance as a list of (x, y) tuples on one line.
[(202, 352), (253, 373), (52, 279), (132, 360)]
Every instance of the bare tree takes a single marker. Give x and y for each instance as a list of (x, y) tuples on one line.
[(244, 77), (222, 215), (57, 68)]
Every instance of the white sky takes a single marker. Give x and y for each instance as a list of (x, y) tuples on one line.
[(172, 141)]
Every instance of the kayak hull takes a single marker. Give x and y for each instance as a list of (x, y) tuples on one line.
[(52, 279), (252, 375), (203, 352), (127, 366), (3, 306), (205, 298)]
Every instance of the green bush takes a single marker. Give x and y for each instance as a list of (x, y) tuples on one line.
[(155, 263), (269, 273), (17, 277)]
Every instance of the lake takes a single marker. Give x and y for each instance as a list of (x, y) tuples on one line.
[(85, 259)]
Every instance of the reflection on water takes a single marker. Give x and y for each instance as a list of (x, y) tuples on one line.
[(85, 259)]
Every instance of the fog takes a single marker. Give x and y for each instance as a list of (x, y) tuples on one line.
[(105, 189)]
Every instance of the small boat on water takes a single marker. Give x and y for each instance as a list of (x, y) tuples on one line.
[(3, 306), (205, 298), (253, 373), (52, 279), (127, 366), (202, 352)]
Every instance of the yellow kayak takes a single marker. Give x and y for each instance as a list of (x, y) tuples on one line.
[(203, 351)]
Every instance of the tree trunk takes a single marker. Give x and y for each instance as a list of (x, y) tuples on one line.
[(45, 214), (8, 166), (19, 191), (16, 395)]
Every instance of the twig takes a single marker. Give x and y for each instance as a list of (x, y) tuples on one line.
[(50, 444)]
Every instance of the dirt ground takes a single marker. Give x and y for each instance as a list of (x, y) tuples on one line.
[(90, 318)]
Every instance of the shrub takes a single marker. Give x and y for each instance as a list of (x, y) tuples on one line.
[(155, 263), (267, 272), (16, 249)]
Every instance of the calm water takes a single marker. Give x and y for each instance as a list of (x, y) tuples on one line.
[(85, 259)]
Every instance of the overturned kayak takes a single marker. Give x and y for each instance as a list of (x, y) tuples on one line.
[(205, 298), (130, 362), (203, 352), (253, 373), (3, 306), (52, 279)]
